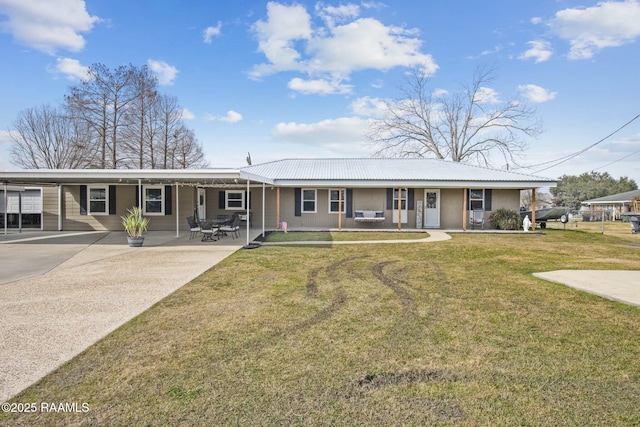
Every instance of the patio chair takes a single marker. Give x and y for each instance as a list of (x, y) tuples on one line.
[(194, 227), (477, 218), (233, 229), (209, 232)]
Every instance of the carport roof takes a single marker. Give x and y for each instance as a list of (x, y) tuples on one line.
[(204, 177)]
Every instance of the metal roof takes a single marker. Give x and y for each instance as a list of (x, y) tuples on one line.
[(377, 171), (625, 197), (351, 172)]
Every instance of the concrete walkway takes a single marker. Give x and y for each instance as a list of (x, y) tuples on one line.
[(60, 293), (434, 236)]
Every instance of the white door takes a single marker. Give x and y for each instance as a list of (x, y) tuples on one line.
[(431, 208), (202, 203), (399, 199)]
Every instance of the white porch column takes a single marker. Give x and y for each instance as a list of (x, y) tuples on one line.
[(248, 211), (177, 211), (60, 193), (263, 207)]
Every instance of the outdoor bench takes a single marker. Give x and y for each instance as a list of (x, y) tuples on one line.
[(369, 216)]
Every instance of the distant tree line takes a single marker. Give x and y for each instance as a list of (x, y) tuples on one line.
[(111, 120), (573, 190)]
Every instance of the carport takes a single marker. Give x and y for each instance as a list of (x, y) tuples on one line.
[(70, 195)]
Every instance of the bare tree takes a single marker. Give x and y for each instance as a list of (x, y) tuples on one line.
[(467, 125), (102, 100), (47, 138), (187, 151), (169, 118), (139, 132)]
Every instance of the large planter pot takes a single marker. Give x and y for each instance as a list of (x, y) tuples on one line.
[(135, 242)]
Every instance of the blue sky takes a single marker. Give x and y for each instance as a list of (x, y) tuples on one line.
[(303, 79)]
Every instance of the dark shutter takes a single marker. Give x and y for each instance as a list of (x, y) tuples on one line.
[(411, 198), (468, 193), (487, 199), (247, 198), (221, 200), (168, 200), (389, 199), (349, 202), (83, 200), (297, 196), (136, 202), (112, 200)]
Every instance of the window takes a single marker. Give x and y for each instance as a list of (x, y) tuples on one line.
[(476, 199), (309, 201), (98, 200), (334, 201), (403, 197), (234, 200), (153, 200)]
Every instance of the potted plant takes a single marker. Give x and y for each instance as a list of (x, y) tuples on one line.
[(135, 224)]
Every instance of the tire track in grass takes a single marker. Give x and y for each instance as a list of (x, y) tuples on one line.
[(409, 306), (338, 301)]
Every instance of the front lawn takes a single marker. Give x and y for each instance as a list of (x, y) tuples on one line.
[(443, 333)]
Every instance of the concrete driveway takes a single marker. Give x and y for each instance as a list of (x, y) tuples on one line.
[(62, 292), (616, 285)]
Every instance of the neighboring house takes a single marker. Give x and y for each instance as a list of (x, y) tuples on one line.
[(304, 193), (615, 206)]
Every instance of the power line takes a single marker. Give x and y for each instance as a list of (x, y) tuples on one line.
[(616, 161), (561, 160)]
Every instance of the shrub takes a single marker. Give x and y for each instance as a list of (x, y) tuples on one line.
[(505, 219)]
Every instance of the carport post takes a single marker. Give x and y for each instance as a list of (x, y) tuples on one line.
[(248, 207), (177, 212), (59, 207), (5, 209)]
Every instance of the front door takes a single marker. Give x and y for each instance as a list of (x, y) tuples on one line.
[(431, 208), (202, 203)]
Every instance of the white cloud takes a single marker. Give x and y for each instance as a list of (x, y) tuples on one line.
[(336, 47), (47, 25), (318, 87), (369, 107), (343, 135), (535, 93), (334, 14), (211, 32), (589, 30), (187, 115), (231, 117), (72, 69), (539, 51), (486, 95), (165, 73)]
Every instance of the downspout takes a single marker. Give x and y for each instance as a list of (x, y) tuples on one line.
[(140, 194), (263, 207)]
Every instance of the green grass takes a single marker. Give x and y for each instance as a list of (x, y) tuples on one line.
[(337, 236), (443, 333)]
